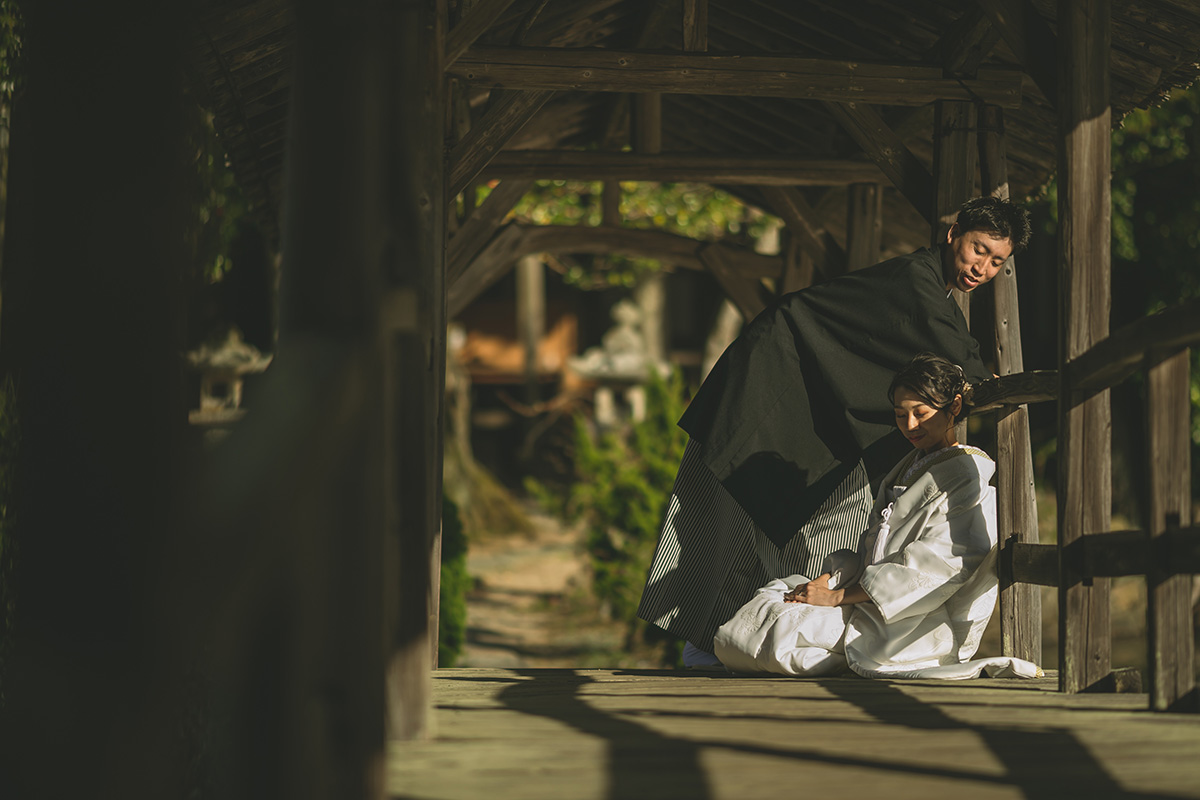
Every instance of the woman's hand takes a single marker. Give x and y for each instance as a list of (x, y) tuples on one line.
[(816, 593)]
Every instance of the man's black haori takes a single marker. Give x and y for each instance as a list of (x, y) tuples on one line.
[(801, 396)]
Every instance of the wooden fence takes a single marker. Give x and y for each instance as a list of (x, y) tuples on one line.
[(1166, 550)]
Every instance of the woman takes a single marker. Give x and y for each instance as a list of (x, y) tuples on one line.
[(913, 601), (791, 428)]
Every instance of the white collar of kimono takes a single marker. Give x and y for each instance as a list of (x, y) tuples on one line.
[(923, 461)]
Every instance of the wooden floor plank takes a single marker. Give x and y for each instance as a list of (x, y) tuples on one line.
[(615, 734)]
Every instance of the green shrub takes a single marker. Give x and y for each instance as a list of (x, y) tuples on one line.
[(621, 488), (452, 602)]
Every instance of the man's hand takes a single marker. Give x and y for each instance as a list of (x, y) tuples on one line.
[(816, 593)]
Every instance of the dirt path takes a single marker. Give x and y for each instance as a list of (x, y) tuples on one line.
[(516, 614)]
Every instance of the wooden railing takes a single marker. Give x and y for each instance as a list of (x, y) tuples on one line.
[(1166, 550)]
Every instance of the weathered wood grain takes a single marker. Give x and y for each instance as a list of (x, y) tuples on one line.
[(803, 225), (1169, 640), (868, 129), (489, 135), (481, 226), (773, 170), (601, 734), (480, 17), (695, 25), (580, 69), (1030, 38), (864, 224), (1118, 355), (745, 293), (955, 155), (1016, 512), (1085, 231)]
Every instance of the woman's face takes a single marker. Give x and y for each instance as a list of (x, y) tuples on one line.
[(925, 427)]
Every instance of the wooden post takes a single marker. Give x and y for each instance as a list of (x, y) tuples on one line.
[(954, 158), (798, 267), (1020, 603), (531, 318), (1168, 597), (652, 291), (864, 224), (1085, 230), (647, 123), (415, 259), (95, 486)]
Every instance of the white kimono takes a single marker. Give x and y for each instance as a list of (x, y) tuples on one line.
[(927, 562)]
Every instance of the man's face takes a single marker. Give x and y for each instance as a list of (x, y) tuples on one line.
[(973, 258)]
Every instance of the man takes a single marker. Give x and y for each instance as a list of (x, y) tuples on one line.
[(794, 422)]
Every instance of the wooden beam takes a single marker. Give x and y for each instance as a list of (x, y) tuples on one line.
[(480, 17), (1030, 38), (903, 170), (864, 224), (967, 42), (1085, 231), (801, 220), (488, 136), (1016, 507), (491, 264), (745, 293), (1118, 355), (1026, 564), (1017, 389), (474, 233), (1170, 638), (515, 240), (647, 123), (616, 126), (695, 25), (610, 204), (530, 319), (595, 70), (1105, 554), (592, 165), (798, 272)]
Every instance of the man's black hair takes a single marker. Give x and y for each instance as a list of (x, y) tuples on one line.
[(1005, 219)]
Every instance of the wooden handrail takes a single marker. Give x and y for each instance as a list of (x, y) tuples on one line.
[(1111, 554), (1113, 359), (1017, 389)]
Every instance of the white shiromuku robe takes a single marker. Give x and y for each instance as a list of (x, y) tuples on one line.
[(927, 562)]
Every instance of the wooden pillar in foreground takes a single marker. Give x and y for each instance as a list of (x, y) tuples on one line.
[(1016, 505), (1085, 231), (864, 224), (417, 361), (1168, 597), (94, 263)]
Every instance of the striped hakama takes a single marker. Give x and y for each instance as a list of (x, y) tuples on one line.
[(711, 557)]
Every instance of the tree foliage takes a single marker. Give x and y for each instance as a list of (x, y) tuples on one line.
[(218, 203), (620, 490), (1155, 214), (693, 210), (455, 582)]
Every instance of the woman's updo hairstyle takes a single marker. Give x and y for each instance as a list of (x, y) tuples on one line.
[(933, 379)]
